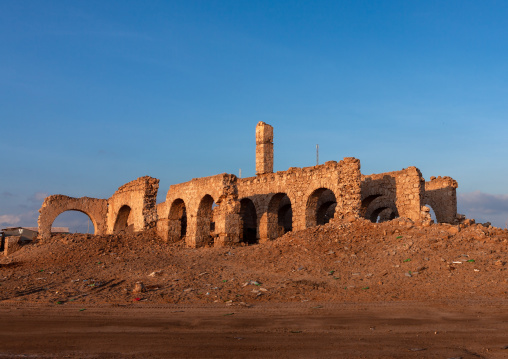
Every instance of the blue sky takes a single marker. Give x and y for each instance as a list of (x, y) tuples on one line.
[(94, 94)]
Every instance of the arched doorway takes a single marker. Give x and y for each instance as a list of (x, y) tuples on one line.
[(123, 223), (431, 212), (279, 216), (320, 207), (205, 224), (76, 221), (366, 203), (383, 214), (178, 220), (381, 209), (249, 221)]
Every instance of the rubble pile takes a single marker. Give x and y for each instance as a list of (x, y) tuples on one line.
[(349, 260)]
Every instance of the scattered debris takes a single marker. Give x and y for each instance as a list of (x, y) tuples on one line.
[(139, 287), (156, 273)]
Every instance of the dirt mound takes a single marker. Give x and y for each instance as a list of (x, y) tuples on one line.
[(343, 261)]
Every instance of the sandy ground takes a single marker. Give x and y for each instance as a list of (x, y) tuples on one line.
[(348, 289)]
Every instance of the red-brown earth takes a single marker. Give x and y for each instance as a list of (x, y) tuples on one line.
[(348, 289)]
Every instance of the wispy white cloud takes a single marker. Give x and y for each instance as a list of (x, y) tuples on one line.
[(484, 207), (9, 219), (38, 197), (25, 213), (483, 202)]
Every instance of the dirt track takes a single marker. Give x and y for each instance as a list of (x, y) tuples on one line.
[(289, 297), (382, 330)]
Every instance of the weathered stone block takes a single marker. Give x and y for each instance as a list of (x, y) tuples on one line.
[(12, 244)]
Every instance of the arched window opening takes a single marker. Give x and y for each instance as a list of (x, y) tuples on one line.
[(249, 221), (320, 207), (76, 221), (123, 223)]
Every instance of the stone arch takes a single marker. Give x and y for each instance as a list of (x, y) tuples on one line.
[(124, 222), (249, 221), (54, 205), (374, 187), (177, 220), (205, 225), (366, 202), (381, 209), (320, 207), (279, 216)]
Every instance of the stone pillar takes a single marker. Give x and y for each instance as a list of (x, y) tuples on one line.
[(263, 227), (264, 148), (410, 192), (163, 229), (348, 194), (149, 202), (227, 222), (192, 239), (227, 214)]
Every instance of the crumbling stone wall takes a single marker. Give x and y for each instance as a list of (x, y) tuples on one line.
[(301, 188), (404, 188), (12, 244), (55, 205), (223, 209), (441, 195), (211, 209), (132, 207)]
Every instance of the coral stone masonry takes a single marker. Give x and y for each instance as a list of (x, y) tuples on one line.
[(264, 148), (225, 210)]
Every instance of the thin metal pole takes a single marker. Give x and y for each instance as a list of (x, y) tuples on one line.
[(317, 155), (240, 175)]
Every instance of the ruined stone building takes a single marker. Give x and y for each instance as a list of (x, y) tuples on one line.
[(224, 209)]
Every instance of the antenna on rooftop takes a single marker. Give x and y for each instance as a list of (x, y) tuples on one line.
[(317, 155), (240, 174)]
